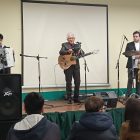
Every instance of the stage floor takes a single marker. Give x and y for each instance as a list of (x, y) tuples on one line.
[(63, 106)]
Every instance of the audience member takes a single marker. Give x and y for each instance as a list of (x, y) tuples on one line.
[(94, 124), (34, 126), (130, 129)]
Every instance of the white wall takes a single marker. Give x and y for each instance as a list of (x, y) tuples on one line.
[(123, 19), (10, 27)]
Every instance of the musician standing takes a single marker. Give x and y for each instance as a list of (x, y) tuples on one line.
[(4, 70), (70, 47), (132, 64)]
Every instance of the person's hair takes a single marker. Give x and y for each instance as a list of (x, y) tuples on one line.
[(70, 35), (132, 113), (1, 36), (33, 103), (136, 32), (93, 104)]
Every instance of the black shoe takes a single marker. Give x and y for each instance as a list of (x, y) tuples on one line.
[(77, 101), (69, 101)]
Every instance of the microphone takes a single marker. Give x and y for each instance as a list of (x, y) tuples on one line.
[(79, 43), (125, 37), (21, 54)]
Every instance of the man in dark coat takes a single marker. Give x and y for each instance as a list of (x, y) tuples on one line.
[(70, 47), (133, 63), (94, 124), (34, 126)]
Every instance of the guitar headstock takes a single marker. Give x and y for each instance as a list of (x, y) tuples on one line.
[(93, 52)]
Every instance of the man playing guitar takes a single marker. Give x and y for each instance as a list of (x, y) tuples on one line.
[(70, 47)]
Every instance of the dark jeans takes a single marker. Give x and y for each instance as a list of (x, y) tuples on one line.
[(74, 72), (131, 77), (5, 71)]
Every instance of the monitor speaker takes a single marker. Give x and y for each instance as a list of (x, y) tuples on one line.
[(110, 98), (10, 97)]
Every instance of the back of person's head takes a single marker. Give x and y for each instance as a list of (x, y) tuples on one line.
[(94, 104), (1, 37), (33, 103), (132, 113)]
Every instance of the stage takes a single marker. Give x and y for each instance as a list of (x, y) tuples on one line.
[(66, 114), (63, 106)]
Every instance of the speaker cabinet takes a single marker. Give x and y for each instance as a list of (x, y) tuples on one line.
[(110, 98), (4, 128), (10, 97)]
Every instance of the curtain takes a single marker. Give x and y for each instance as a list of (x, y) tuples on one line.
[(66, 119)]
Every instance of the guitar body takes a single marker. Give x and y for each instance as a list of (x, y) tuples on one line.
[(65, 61)]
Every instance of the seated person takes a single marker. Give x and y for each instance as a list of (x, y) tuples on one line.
[(34, 126), (94, 124), (130, 129)]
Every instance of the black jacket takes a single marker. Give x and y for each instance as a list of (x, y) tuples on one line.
[(76, 47), (130, 47), (94, 126), (43, 130)]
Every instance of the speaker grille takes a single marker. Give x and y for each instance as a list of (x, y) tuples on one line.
[(10, 97)]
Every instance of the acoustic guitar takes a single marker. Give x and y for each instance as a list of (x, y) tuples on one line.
[(65, 61)]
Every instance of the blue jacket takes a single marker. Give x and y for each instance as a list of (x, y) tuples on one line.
[(42, 130), (94, 126)]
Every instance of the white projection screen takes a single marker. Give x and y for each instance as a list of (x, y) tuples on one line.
[(45, 26)]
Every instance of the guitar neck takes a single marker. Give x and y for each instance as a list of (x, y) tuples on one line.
[(86, 54)]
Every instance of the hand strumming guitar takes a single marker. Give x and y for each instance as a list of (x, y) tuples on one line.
[(70, 51)]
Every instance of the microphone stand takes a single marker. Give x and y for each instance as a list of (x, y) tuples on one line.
[(118, 65), (86, 69), (39, 73)]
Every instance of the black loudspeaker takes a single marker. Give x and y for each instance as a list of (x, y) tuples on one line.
[(10, 97), (110, 98), (4, 128)]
